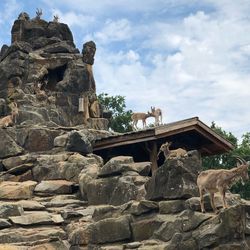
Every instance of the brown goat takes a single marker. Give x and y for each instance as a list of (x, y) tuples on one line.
[(140, 116), (157, 113), (9, 120), (175, 153), (220, 180)]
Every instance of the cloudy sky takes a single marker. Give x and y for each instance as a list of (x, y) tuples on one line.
[(189, 58)]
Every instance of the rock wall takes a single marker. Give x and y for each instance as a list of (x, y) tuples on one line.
[(45, 74), (66, 197)]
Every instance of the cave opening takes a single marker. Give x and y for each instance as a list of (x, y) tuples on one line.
[(54, 76)]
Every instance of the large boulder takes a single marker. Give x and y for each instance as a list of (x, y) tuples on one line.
[(62, 166), (175, 179), (37, 218), (31, 31), (119, 182), (14, 161), (31, 234), (17, 190), (116, 190), (8, 146), (118, 165), (54, 187), (80, 141), (110, 230), (10, 209), (228, 227), (39, 139)]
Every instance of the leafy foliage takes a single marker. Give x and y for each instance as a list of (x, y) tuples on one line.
[(121, 118), (228, 160)]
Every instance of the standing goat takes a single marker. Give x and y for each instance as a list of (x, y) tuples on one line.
[(140, 116), (56, 19), (220, 180), (39, 13), (157, 113), (175, 153), (9, 120)]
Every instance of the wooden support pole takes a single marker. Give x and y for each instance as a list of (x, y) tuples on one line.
[(152, 149), (86, 110)]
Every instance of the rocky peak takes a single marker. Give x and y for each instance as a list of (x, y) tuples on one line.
[(45, 74), (38, 32)]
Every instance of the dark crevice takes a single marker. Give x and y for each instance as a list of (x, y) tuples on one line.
[(54, 76)]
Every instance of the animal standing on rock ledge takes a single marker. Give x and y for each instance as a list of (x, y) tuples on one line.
[(9, 120), (169, 154), (220, 180), (140, 116)]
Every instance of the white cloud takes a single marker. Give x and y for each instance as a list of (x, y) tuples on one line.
[(203, 78), (114, 31), (74, 19)]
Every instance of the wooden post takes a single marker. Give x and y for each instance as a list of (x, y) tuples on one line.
[(152, 149), (86, 109)]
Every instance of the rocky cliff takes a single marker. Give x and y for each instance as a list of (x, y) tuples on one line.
[(46, 75), (56, 194)]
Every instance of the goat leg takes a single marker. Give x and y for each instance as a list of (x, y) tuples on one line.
[(202, 201), (212, 202), (223, 197)]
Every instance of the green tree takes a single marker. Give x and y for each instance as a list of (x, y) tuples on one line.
[(228, 160), (243, 150), (225, 160), (121, 118)]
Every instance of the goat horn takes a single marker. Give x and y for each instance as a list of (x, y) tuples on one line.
[(242, 161)]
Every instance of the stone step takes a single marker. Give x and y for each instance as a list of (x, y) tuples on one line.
[(20, 234), (55, 187), (10, 190), (36, 218)]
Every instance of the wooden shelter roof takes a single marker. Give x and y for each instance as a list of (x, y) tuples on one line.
[(190, 134)]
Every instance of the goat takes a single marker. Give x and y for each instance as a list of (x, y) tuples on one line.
[(140, 116), (174, 153), (39, 13), (9, 120), (56, 19), (220, 180), (157, 113)]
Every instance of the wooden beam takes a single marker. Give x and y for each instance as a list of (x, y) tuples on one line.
[(216, 139), (152, 150), (208, 132), (118, 143), (175, 126), (124, 139)]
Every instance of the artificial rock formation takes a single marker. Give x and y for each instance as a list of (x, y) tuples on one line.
[(55, 193), (45, 74)]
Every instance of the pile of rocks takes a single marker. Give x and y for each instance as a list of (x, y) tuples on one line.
[(61, 199)]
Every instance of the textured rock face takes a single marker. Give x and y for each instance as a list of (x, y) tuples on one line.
[(118, 182), (17, 190), (110, 230), (45, 74), (32, 31), (175, 179), (8, 146)]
